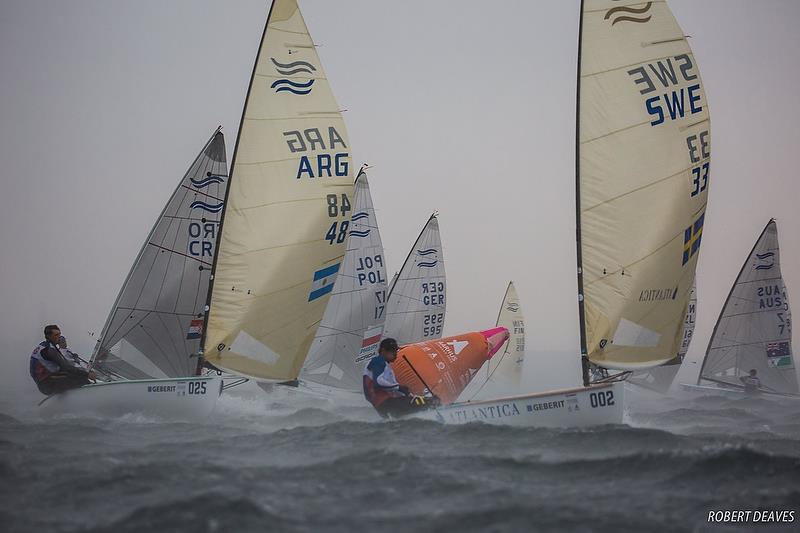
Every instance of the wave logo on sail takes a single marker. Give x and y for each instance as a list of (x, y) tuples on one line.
[(290, 69), (768, 261), (691, 238), (202, 183), (424, 253), (360, 232), (205, 206), (512, 306), (629, 14)]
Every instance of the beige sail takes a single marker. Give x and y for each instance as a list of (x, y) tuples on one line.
[(287, 213), (642, 178), (506, 366)]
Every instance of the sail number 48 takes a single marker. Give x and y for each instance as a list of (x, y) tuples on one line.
[(601, 399)]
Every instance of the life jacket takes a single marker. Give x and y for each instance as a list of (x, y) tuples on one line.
[(41, 368), (374, 393)]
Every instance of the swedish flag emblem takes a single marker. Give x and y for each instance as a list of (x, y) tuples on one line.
[(691, 238)]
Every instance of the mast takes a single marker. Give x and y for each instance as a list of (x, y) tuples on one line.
[(581, 311), (725, 304), (397, 274), (217, 247)]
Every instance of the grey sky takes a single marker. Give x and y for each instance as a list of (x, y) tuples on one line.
[(463, 107)]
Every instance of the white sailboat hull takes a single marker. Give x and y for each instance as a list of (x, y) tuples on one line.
[(579, 407), (729, 392), (190, 398)]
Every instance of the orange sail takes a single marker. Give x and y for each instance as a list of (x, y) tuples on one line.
[(446, 366)]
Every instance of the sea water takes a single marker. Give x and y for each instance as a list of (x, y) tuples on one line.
[(277, 463)]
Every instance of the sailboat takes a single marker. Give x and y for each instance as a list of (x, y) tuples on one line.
[(417, 299), (352, 324), (504, 370), (145, 355), (754, 329), (287, 212), (642, 170), (660, 378)]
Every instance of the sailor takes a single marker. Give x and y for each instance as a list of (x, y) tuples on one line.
[(381, 388), (52, 371), (751, 382)]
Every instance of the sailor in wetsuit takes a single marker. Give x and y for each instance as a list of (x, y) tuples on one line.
[(381, 388), (752, 384), (52, 371)]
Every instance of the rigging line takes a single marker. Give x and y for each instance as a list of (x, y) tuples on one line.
[(175, 252), (196, 191), (124, 335)]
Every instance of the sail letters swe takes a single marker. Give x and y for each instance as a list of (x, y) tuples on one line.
[(664, 77)]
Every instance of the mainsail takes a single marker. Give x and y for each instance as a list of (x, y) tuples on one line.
[(754, 329), (415, 310), (155, 324), (660, 378), (643, 154), (505, 368), (287, 213), (351, 327)]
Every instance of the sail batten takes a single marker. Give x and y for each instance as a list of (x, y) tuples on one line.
[(642, 172), (286, 216)]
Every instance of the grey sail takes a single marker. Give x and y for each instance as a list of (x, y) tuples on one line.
[(351, 327), (155, 325), (754, 329), (660, 378), (415, 308)]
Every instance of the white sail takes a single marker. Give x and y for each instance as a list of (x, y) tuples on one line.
[(352, 325), (643, 154), (660, 378), (417, 298), (503, 371), (754, 329), (287, 213), (154, 327)]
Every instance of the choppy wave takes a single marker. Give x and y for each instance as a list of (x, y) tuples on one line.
[(285, 462)]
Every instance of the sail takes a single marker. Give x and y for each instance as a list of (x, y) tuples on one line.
[(352, 325), (660, 378), (754, 330), (446, 366), (502, 373), (154, 327), (287, 213), (643, 155), (415, 310)]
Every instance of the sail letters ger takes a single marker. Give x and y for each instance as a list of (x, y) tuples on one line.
[(643, 159), (284, 229)]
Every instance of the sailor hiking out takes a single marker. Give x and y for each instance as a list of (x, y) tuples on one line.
[(381, 388), (53, 370)]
